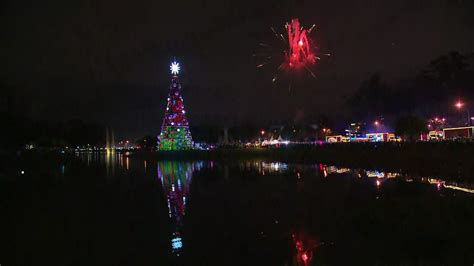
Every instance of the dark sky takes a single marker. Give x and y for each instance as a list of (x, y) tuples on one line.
[(108, 60)]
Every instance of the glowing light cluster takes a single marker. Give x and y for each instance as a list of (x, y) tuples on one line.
[(175, 68)]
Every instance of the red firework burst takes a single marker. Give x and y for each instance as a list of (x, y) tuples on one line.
[(299, 52)]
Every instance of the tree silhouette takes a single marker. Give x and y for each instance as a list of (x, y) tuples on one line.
[(409, 127), (371, 99)]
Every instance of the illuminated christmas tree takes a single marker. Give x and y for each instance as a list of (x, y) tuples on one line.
[(175, 133)]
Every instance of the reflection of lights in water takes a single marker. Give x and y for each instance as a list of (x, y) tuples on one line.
[(467, 190), (175, 179), (331, 169), (144, 164), (176, 244), (391, 175), (277, 167), (343, 170), (375, 174), (434, 181), (273, 167), (127, 163), (304, 245), (304, 257)]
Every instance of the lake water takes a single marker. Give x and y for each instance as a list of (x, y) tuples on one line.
[(102, 209)]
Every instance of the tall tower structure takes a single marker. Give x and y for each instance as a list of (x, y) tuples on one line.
[(175, 133)]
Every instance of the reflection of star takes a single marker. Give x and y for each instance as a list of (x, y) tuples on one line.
[(174, 68)]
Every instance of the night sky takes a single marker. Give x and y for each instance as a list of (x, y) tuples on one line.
[(108, 61)]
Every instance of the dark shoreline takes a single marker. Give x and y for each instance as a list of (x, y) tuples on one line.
[(452, 159)]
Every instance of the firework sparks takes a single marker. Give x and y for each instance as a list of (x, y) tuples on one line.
[(298, 51)]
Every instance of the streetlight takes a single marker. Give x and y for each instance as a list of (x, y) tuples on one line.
[(459, 105)]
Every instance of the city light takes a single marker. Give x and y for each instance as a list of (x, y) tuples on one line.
[(376, 123), (460, 105), (326, 130)]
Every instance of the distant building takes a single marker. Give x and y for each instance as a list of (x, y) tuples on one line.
[(337, 138), (381, 137), (369, 137), (458, 132)]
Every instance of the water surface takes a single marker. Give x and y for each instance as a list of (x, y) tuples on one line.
[(103, 209)]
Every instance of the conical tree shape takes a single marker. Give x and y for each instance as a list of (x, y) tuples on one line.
[(175, 133)]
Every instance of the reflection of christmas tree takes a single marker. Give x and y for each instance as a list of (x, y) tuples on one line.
[(175, 133), (175, 178)]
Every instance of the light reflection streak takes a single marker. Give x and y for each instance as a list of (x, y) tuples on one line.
[(175, 178), (264, 168), (467, 190)]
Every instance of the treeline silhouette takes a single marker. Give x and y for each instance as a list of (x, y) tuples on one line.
[(432, 91), (19, 131)]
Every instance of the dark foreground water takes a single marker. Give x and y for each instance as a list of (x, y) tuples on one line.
[(102, 209)]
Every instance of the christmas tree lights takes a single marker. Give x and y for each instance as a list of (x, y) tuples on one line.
[(175, 133)]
